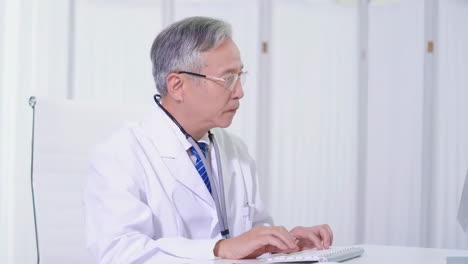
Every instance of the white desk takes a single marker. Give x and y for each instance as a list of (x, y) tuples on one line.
[(374, 254), (405, 255)]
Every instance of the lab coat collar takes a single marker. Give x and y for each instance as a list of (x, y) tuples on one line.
[(183, 140), (172, 147)]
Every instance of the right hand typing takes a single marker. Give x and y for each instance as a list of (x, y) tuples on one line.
[(257, 241)]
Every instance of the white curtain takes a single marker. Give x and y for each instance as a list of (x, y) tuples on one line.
[(16, 82), (451, 127), (417, 147), (314, 93), (111, 50), (392, 212)]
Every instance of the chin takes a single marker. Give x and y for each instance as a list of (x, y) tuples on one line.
[(224, 123)]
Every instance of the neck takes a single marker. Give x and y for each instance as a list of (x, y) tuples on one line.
[(189, 123)]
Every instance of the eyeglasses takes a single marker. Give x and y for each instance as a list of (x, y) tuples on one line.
[(228, 81)]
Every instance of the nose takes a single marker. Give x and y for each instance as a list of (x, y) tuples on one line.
[(238, 91)]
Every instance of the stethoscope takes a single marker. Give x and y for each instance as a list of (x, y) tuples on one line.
[(216, 190)]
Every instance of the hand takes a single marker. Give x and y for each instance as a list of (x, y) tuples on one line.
[(255, 242), (320, 237)]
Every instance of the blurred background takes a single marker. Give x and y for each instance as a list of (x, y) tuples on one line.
[(356, 111)]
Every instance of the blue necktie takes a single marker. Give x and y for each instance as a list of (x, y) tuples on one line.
[(199, 164)]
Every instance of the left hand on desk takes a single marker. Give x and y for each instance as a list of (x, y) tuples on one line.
[(320, 237)]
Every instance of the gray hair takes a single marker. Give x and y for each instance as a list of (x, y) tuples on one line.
[(179, 46)]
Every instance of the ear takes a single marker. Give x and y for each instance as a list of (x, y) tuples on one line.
[(175, 84)]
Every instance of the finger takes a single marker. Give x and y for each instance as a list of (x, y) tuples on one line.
[(277, 232), (325, 235), (296, 240), (272, 240), (331, 234), (259, 239), (268, 237), (315, 241), (281, 233), (273, 249), (292, 240), (257, 253), (299, 232)]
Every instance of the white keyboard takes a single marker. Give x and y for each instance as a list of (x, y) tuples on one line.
[(334, 254)]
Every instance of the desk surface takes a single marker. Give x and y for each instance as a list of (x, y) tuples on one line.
[(374, 254), (405, 255)]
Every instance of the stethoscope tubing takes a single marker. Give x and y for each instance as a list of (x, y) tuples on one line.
[(217, 190)]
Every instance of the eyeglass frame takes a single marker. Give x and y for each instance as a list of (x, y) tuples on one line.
[(213, 78)]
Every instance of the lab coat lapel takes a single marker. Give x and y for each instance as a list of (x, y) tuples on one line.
[(229, 170), (184, 171), (175, 157), (228, 173)]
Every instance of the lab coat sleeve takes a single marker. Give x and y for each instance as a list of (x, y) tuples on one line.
[(119, 224)]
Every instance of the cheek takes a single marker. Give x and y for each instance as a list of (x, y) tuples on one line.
[(211, 103), (209, 107), (218, 103)]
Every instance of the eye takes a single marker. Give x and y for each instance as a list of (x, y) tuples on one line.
[(231, 78)]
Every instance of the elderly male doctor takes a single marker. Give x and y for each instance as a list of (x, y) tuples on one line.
[(176, 184)]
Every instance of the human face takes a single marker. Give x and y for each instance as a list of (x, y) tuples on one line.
[(209, 103)]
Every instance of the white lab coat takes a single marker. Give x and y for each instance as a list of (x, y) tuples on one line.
[(145, 202)]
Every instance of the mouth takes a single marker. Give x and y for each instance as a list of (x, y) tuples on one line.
[(233, 110)]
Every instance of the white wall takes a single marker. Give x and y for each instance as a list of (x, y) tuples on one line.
[(450, 126), (395, 122), (34, 62), (313, 141), (4, 168), (98, 50), (15, 73), (111, 47)]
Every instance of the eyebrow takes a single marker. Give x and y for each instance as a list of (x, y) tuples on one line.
[(232, 70)]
